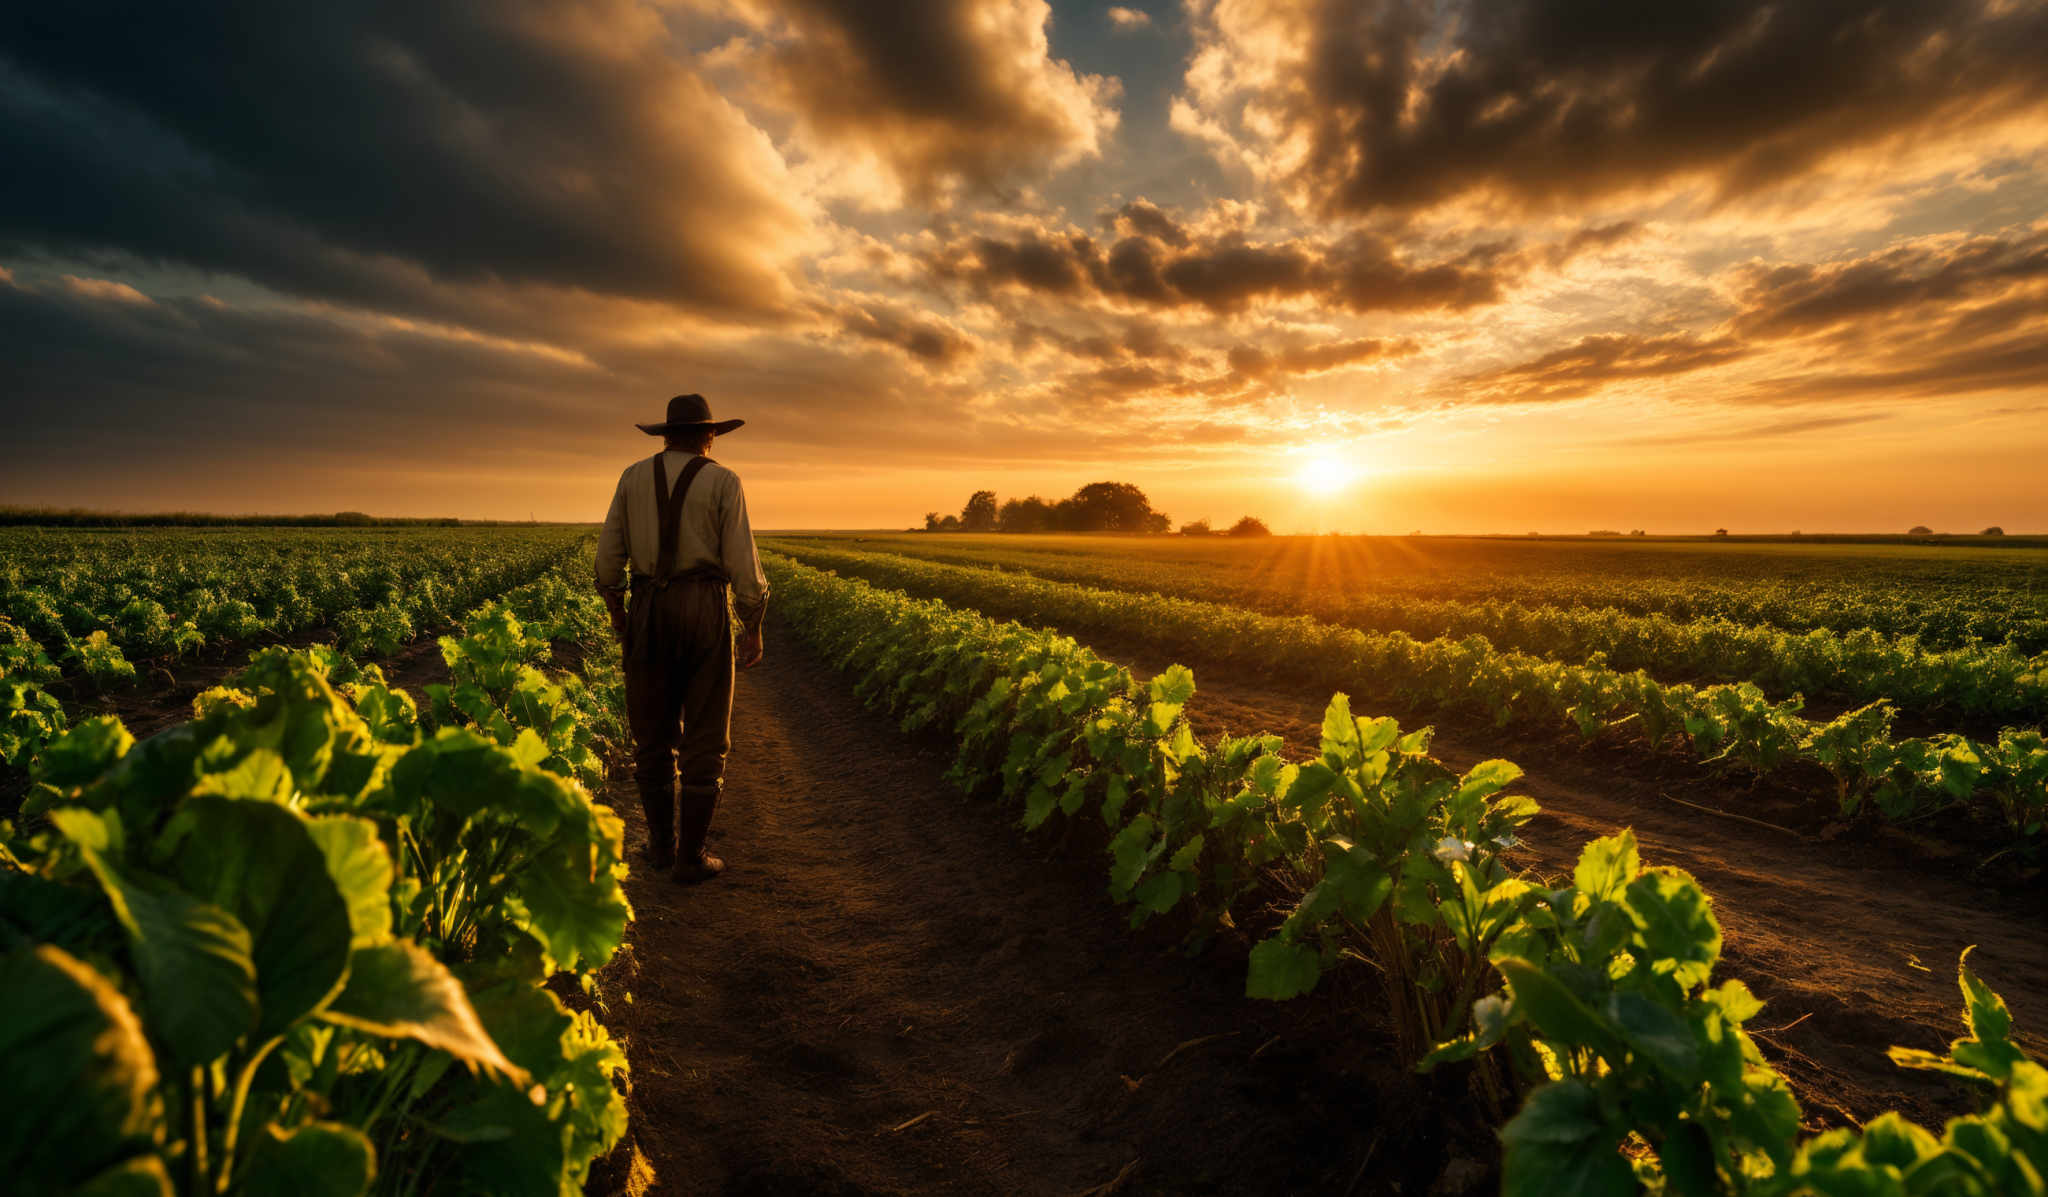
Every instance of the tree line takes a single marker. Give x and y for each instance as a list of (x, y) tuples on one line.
[(1096, 507)]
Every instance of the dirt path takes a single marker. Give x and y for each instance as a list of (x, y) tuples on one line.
[(893, 990), (1852, 948)]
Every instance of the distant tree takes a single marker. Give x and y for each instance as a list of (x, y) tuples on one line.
[(1919, 530), (1250, 525), (931, 521), (950, 524), (1603, 532), (1108, 507), (1720, 531), (1158, 521), (1993, 530), (1025, 515), (1196, 528), (1637, 532), (980, 513), (353, 518)]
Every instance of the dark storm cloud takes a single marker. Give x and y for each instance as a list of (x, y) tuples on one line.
[(1931, 316), (1793, 300), (1401, 104), (1229, 272), (891, 324), (1591, 363), (1139, 339), (364, 153), (1250, 361), (941, 91), (89, 369), (1142, 218), (1250, 374)]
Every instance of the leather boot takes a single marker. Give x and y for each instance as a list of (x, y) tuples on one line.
[(693, 863), (658, 803)]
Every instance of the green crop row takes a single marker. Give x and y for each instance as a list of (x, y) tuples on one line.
[(1941, 598), (1625, 1067), (1979, 680), (1908, 778), (298, 944), (93, 605)]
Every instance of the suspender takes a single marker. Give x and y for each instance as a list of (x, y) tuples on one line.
[(670, 504)]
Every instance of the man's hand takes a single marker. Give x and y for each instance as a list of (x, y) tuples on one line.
[(749, 648), (616, 608)]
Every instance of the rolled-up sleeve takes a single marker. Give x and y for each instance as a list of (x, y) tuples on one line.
[(613, 556), (742, 563)]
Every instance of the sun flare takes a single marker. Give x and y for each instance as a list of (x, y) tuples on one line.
[(1325, 474)]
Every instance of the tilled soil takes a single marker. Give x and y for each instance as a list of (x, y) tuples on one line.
[(893, 990)]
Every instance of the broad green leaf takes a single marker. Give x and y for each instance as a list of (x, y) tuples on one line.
[(80, 755), (1658, 1036), (361, 868), (399, 991), (1175, 685), (1891, 1140), (261, 862), (576, 910), (1282, 969), (1984, 1011), (1737, 1004), (1377, 734), (1488, 778), (1607, 865), (1340, 731), (1560, 1143), (140, 1176), (1557, 1012), (260, 775), (193, 958), (1159, 892), (525, 1020), (1674, 922), (71, 917), (319, 1159), (81, 1088), (508, 1146)]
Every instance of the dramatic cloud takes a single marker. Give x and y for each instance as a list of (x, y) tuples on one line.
[(1591, 363), (1796, 300), (1158, 262), (437, 256), (1397, 105), (923, 339), (1250, 361), (1929, 316), (361, 153), (938, 93)]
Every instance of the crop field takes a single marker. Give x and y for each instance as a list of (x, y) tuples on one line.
[(296, 938), (1587, 866)]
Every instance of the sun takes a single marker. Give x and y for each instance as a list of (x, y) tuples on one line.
[(1325, 474)]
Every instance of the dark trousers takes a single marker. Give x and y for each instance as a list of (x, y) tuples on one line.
[(679, 671)]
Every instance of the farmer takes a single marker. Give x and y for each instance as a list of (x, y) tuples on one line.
[(679, 523)]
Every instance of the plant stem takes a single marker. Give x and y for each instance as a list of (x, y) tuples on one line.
[(195, 1101), (243, 1081)]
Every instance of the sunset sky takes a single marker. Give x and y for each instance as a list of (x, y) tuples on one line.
[(1506, 265)]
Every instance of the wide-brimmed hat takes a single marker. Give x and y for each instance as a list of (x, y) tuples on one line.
[(687, 412)]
